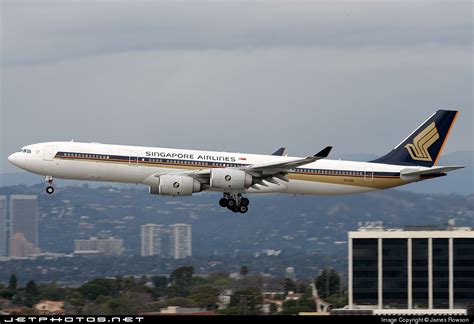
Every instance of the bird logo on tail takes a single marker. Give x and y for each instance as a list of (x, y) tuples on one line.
[(422, 142)]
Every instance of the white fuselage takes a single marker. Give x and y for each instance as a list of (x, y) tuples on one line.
[(135, 164)]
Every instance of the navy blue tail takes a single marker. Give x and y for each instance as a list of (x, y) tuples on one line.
[(423, 147)]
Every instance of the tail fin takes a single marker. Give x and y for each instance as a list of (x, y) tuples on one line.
[(423, 147)]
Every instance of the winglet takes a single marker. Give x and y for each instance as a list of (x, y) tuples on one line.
[(323, 153), (282, 151)]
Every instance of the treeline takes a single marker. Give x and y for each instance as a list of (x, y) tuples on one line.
[(131, 295)]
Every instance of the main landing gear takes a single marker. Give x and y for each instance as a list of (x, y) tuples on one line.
[(49, 188), (235, 202)]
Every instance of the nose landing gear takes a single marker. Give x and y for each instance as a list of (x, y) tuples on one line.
[(235, 203), (50, 188)]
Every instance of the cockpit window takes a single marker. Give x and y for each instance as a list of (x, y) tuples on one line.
[(25, 151)]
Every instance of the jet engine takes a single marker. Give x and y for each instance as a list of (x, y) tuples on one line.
[(230, 179), (173, 185)]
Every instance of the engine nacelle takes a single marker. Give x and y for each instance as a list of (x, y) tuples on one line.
[(172, 185), (230, 179)]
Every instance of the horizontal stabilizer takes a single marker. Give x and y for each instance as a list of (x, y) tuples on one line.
[(431, 171)]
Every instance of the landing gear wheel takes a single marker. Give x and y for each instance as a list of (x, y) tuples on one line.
[(223, 202), (49, 190), (231, 203), (236, 209), (243, 209), (245, 202)]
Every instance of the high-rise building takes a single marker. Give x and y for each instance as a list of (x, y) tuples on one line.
[(20, 247), (3, 226), (24, 217), (110, 246), (152, 237), (416, 270), (180, 241)]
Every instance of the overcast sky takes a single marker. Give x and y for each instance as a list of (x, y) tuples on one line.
[(235, 76)]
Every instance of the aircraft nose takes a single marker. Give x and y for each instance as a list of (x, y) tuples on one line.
[(13, 158)]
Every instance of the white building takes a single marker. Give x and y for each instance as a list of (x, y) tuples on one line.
[(418, 271), (110, 246), (151, 237), (180, 241)]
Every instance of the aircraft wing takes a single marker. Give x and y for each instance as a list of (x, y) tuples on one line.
[(268, 177), (291, 164)]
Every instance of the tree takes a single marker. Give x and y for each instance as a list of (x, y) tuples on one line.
[(273, 308), (247, 299), (244, 271), (181, 281), (182, 276), (288, 285), (92, 291), (12, 283), (293, 307), (205, 296), (328, 283), (7, 293), (31, 288), (160, 282)]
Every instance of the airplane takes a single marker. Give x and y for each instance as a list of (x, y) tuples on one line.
[(178, 172)]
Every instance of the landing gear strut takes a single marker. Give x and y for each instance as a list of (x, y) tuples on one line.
[(49, 188), (235, 202)]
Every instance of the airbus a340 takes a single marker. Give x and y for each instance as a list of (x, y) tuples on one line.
[(177, 172)]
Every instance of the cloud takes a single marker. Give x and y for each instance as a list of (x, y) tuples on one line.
[(60, 30)]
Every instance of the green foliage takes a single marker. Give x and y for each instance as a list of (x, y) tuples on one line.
[(13, 282), (247, 300), (180, 301), (273, 308), (75, 298), (30, 295), (204, 296), (288, 285), (328, 283), (231, 311), (7, 293), (92, 291), (215, 276), (182, 276), (160, 282), (244, 270), (199, 281), (337, 301), (31, 288), (181, 281), (293, 307), (52, 292), (222, 283)]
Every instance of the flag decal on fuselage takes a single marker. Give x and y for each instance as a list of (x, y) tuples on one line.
[(422, 142)]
